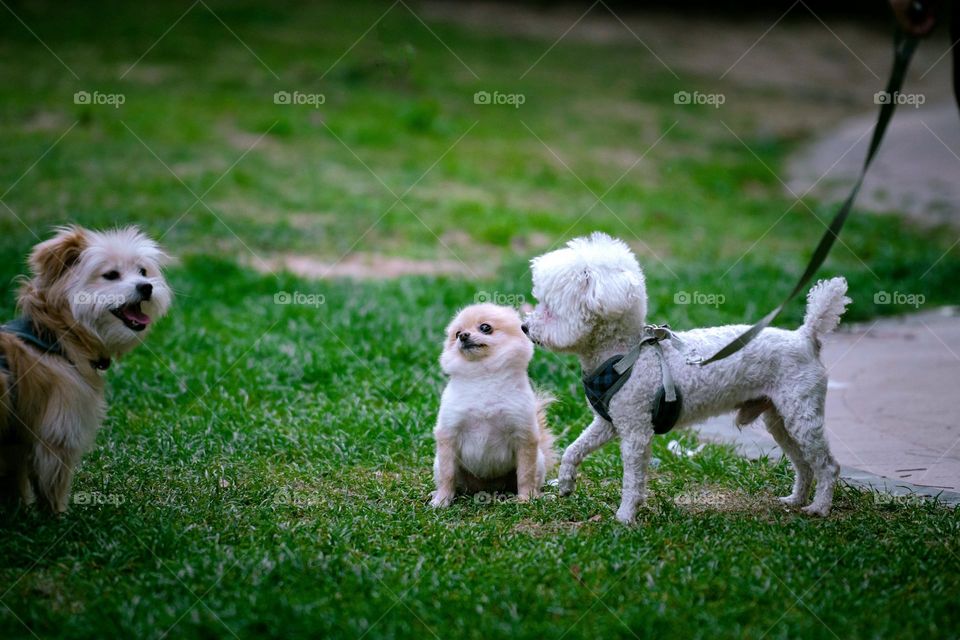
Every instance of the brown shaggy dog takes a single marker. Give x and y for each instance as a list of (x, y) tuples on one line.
[(91, 297)]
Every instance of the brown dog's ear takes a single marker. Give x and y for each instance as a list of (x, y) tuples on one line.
[(50, 259)]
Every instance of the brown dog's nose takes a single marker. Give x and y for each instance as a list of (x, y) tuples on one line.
[(145, 289), (525, 329), (465, 336)]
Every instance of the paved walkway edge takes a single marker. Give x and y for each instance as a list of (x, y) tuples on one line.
[(888, 489)]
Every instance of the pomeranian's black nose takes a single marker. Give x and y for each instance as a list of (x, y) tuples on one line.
[(465, 336), (525, 328), (145, 289)]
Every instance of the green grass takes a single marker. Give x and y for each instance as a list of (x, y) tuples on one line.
[(264, 468)]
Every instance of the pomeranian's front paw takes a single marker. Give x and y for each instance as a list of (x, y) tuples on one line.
[(439, 500), (527, 496)]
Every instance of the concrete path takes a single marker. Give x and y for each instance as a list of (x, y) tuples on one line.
[(893, 406), (916, 172)]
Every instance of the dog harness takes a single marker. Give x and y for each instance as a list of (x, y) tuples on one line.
[(25, 329), (609, 377)]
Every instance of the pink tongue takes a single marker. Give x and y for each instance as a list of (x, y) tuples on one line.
[(131, 313)]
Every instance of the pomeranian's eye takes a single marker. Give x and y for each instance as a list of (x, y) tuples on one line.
[(485, 328), (457, 335), (143, 272), (112, 275)]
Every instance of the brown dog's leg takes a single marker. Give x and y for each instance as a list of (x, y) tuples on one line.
[(54, 470)]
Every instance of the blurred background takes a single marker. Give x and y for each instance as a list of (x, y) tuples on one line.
[(451, 138)]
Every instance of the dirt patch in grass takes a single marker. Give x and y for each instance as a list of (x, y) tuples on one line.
[(538, 529), (710, 498), (367, 266)]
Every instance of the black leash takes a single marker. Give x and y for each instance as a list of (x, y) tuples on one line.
[(904, 46)]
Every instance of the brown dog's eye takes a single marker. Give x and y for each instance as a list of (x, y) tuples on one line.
[(485, 328), (111, 275)]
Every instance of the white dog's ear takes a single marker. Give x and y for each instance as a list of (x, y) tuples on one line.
[(613, 294), (50, 259)]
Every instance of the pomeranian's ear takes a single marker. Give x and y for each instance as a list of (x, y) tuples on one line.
[(52, 258)]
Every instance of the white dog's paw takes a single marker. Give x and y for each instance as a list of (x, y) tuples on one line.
[(791, 500), (821, 510), (439, 500), (626, 515), (566, 481)]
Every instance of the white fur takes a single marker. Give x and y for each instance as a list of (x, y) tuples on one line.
[(592, 302), (487, 427), (91, 297)]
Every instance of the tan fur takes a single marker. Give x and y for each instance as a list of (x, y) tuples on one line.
[(546, 440), (51, 405), (492, 432)]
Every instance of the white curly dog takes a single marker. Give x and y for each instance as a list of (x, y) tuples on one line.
[(592, 302)]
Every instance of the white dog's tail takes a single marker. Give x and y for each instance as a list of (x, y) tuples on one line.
[(545, 436), (826, 302)]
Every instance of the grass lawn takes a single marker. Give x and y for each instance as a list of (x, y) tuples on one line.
[(264, 468)]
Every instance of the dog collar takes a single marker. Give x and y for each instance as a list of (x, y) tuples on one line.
[(607, 379), (25, 329)]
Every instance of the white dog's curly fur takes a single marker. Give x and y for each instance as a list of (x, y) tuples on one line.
[(592, 302)]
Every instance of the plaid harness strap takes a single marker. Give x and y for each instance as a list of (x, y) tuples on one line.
[(607, 379)]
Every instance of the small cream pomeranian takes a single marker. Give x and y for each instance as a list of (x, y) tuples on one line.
[(91, 297), (491, 430)]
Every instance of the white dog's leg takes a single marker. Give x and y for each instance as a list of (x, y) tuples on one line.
[(635, 451), (803, 419), (803, 474), (825, 468), (593, 437)]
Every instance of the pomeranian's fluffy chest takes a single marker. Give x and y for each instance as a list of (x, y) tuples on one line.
[(487, 416)]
